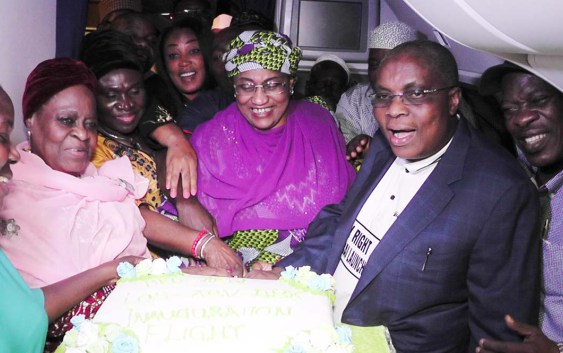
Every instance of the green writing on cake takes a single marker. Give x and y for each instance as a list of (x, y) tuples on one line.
[(202, 333), (277, 293), (208, 313), (223, 293)]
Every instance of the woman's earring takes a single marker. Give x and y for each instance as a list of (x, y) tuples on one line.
[(29, 139), (291, 91), (457, 116)]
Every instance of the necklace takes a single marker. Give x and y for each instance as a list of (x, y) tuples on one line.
[(129, 141)]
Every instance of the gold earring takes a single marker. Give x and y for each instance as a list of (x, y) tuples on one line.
[(29, 139)]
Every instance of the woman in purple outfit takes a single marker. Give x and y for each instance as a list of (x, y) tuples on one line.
[(268, 163)]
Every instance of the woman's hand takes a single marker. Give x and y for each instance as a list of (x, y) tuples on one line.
[(63, 295), (181, 160), (357, 147), (206, 271), (220, 255), (110, 267), (534, 341)]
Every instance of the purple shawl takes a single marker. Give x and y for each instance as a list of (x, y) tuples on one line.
[(276, 179)]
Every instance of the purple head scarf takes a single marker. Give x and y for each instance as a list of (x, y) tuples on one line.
[(275, 179)]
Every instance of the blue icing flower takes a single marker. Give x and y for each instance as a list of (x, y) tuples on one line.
[(319, 283), (289, 273), (344, 334), (295, 348), (77, 320), (126, 270), (124, 344), (173, 264)]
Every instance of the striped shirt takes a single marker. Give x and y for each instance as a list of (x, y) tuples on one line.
[(354, 112), (551, 317)]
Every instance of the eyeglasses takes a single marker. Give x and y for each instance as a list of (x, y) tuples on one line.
[(409, 97), (270, 88)]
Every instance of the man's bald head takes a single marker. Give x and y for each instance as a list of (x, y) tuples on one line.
[(439, 60)]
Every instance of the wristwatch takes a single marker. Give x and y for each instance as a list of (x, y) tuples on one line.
[(560, 347)]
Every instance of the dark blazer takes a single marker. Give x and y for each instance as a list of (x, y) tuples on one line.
[(478, 212)]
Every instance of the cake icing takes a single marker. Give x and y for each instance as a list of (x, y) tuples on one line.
[(170, 311), (89, 337)]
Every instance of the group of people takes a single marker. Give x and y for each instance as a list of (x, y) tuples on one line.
[(440, 225), (97, 179)]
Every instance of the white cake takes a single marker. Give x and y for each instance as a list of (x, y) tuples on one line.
[(184, 313), (157, 308)]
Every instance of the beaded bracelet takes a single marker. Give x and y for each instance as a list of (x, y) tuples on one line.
[(204, 244), (196, 241)]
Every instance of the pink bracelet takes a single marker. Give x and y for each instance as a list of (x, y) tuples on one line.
[(196, 241)]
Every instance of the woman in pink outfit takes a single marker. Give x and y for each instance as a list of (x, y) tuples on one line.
[(62, 219)]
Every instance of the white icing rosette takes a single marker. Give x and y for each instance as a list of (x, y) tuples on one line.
[(159, 267), (149, 267), (89, 337), (326, 339)]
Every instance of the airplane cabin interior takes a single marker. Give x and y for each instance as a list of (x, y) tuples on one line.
[(479, 33)]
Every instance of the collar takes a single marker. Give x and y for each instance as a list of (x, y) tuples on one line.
[(419, 165), (554, 184)]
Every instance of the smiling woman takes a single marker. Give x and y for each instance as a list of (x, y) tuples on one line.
[(121, 102), (267, 162), (65, 221), (183, 60), (127, 113), (64, 130)]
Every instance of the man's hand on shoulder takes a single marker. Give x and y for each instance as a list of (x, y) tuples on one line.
[(534, 341)]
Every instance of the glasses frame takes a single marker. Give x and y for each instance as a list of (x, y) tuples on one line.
[(425, 92), (283, 85)]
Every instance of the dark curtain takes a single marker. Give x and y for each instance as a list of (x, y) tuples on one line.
[(71, 24)]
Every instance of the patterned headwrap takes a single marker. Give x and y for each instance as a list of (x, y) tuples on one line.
[(49, 78), (253, 50), (390, 34)]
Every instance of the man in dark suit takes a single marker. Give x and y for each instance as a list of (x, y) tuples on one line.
[(436, 238)]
